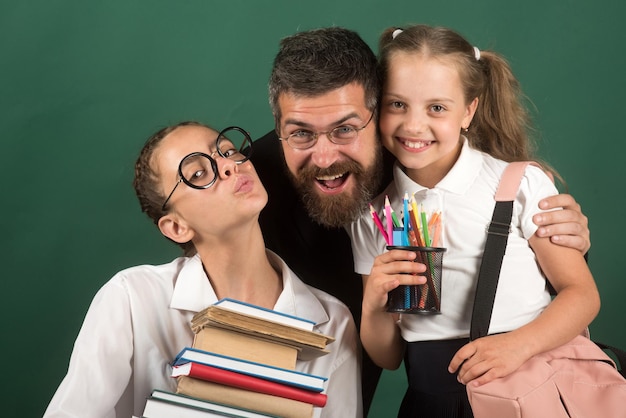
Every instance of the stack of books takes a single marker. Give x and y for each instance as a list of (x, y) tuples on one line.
[(242, 363)]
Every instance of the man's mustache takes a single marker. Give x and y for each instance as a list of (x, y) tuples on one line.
[(311, 172)]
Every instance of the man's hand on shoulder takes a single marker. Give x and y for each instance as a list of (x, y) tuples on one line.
[(568, 227)]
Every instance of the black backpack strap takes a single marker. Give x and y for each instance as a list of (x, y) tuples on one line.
[(497, 238)]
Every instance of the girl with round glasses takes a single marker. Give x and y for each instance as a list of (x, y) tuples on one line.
[(199, 188)]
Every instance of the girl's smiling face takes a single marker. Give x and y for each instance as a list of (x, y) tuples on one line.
[(423, 110)]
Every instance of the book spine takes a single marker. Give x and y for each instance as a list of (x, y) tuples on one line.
[(226, 377)]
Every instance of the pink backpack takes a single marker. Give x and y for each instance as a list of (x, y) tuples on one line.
[(575, 380)]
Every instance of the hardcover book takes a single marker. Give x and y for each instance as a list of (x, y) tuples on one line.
[(246, 347), (263, 313), (276, 374), (243, 381), (311, 344), (168, 405), (241, 398)]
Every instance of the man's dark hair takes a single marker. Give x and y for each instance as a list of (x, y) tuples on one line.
[(315, 62)]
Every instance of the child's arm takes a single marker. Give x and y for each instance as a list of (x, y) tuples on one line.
[(379, 333), (573, 309)]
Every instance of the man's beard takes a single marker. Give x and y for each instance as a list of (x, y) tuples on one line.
[(343, 208)]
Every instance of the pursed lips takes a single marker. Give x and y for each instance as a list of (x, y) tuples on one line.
[(243, 183)]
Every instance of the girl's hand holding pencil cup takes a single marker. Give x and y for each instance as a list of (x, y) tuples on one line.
[(419, 234)]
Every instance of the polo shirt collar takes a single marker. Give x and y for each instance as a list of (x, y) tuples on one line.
[(192, 289), (297, 299)]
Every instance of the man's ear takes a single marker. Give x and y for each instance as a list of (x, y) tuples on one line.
[(175, 228)]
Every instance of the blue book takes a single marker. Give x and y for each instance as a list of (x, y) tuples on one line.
[(263, 371), (264, 313)]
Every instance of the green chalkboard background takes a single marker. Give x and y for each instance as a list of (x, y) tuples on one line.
[(83, 83)]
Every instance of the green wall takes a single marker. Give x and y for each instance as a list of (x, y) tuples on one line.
[(83, 83)]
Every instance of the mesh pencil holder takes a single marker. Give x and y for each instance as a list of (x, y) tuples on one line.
[(425, 298)]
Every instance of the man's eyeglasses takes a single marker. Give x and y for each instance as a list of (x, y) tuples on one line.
[(199, 170), (341, 135)]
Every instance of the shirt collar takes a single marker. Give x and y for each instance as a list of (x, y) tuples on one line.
[(193, 291), (458, 180), (297, 299)]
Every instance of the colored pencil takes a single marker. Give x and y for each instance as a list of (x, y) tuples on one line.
[(425, 228), (414, 229), (396, 221), (405, 237), (437, 230), (379, 224), (415, 209), (389, 220)]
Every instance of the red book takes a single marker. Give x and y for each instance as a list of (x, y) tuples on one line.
[(242, 381)]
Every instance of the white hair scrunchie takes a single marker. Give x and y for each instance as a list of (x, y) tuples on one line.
[(477, 54), (396, 33)]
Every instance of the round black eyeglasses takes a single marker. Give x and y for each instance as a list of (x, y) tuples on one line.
[(198, 170)]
